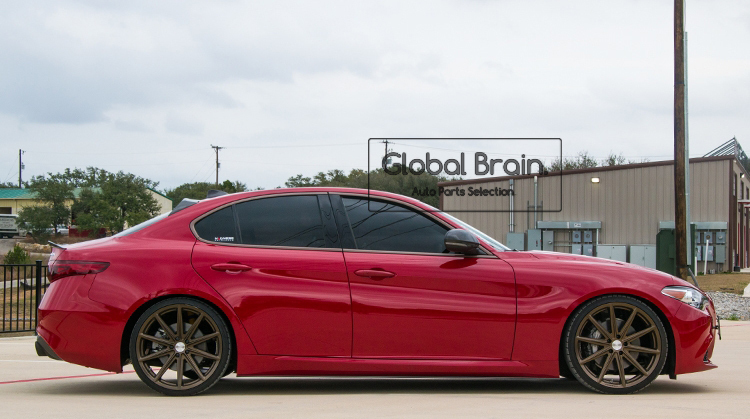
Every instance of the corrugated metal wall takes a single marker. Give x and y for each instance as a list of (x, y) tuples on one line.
[(629, 202)]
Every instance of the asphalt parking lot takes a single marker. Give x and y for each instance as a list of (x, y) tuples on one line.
[(31, 386)]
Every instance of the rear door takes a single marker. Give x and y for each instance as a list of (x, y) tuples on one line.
[(411, 298), (278, 261)]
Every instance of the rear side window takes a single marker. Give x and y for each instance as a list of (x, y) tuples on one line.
[(391, 227), (218, 227), (282, 221)]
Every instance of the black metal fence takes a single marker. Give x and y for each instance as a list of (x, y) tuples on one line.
[(22, 290)]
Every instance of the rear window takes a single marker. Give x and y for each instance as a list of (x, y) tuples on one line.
[(219, 227), (142, 225)]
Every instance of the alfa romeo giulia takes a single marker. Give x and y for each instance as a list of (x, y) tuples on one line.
[(334, 281)]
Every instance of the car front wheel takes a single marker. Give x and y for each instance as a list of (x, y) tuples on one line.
[(616, 345), (180, 347)]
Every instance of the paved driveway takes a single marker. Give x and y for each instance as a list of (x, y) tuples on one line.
[(31, 386)]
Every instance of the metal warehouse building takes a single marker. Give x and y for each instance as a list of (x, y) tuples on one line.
[(616, 212)]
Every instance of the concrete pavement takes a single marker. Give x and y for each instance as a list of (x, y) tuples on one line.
[(720, 393)]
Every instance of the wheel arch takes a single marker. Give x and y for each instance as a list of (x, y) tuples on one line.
[(669, 366), (130, 324)]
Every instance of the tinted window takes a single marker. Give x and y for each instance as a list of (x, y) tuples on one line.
[(218, 227), (282, 221), (387, 226)]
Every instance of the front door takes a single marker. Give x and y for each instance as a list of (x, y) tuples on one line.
[(412, 299)]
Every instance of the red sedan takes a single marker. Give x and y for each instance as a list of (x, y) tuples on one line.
[(333, 281)]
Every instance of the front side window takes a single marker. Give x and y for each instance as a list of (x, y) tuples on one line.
[(282, 221), (387, 226)]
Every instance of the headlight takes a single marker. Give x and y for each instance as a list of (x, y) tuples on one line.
[(687, 295)]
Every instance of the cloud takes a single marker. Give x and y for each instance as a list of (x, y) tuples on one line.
[(175, 76)]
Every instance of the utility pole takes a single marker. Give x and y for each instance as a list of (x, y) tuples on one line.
[(386, 152), (217, 148), (680, 220), (20, 168)]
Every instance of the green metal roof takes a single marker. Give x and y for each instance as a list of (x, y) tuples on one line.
[(14, 193)]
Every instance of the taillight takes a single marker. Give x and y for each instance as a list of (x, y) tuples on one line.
[(62, 268)]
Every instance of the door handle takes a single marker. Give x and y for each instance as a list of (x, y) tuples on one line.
[(230, 268), (374, 273)]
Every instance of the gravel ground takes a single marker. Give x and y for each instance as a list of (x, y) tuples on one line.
[(731, 306)]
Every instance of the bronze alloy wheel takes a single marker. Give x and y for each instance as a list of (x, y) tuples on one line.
[(180, 347), (616, 344)]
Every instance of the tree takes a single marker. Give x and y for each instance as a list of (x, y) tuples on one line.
[(8, 185), (233, 187), (17, 256), (117, 199), (37, 221), (53, 194), (582, 161), (377, 179), (198, 190), (613, 160)]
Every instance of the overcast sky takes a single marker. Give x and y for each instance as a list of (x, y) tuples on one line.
[(299, 87)]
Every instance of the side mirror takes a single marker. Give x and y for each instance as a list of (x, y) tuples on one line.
[(461, 241)]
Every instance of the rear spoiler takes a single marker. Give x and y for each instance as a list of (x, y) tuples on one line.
[(59, 246)]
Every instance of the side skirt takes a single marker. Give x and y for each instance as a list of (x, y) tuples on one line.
[(250, 365)]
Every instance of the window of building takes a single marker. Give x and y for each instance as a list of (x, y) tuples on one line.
[(282, 221), (388, 226)]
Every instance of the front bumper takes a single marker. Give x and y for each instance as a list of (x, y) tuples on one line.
[(695, 337)]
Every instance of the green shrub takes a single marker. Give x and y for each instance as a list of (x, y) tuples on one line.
[(17, 256)]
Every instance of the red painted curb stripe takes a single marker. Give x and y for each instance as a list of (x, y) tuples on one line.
[(735, 325), (62, 378)]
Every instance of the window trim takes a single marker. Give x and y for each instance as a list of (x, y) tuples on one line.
[(488, 254), (259, 246)]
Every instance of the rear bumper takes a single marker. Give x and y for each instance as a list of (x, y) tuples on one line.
[(77, 329), (43, 349)]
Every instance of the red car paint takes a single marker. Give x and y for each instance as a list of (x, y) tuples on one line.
[(319, 312)]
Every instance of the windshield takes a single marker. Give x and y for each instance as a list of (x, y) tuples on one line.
[(142, 225), (492, 242)]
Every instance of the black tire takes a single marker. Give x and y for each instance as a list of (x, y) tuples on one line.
[(204, 342), (634, 354)]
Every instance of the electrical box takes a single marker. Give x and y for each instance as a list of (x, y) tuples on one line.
[(720, 254), (516, 241), (709, 253), (699, 253), (721, 238), (707, 237), (548, 240), (588, 250), (576, 236), (588, 236), (665, 252), (643, 255), (612, 252), (535, 240), (576, 249)]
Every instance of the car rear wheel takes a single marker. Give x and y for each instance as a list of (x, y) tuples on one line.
[(180, 347), (616, 345)]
